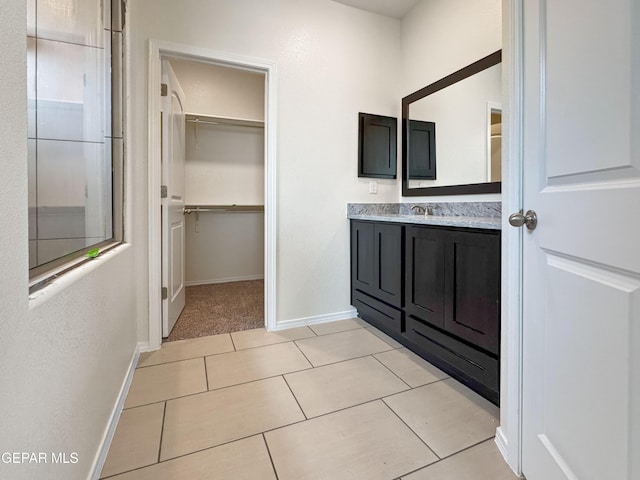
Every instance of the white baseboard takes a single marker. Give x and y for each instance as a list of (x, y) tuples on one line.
[(315, 320), (503, 446), (115, 417), (224, 280), (143, 347), (501, 442)]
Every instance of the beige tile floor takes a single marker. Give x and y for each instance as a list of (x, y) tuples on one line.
[(335, 401)]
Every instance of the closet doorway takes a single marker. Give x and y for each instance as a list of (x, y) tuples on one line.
[(226, 265), (224, 199)]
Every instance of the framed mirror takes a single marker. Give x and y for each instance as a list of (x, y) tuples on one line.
[(452, 133)]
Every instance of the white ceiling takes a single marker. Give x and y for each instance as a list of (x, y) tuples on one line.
[(389, 8)]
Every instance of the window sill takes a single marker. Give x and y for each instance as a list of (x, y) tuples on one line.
[(43, 287)]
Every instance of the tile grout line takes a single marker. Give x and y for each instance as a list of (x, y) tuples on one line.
[(274, 343), (411, 429), (417, 386), (295, 398), (331, 333), (185, 455), (225, 443), (128, 471), (370, 328), (346, 359), (235, 349), (168, 399), (349, 330), (305, 357), (273, 465), (440, 460), (183, 359), (388, 368), (256, 380), (466, 448), (327, 413), (206, 372), (164, 415)]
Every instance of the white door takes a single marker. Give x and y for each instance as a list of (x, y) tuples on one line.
[(173, 229), (581, 378)]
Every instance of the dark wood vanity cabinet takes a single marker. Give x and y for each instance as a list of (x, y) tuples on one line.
[(452, 302), (437, 291), (376, 273), (453, 282)]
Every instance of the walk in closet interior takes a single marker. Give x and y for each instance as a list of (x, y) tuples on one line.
[(224, 199)]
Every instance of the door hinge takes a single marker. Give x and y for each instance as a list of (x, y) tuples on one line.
[(165, 293), (164, 90), (163, 191)]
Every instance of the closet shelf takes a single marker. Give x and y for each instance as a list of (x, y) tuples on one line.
[(223, 209), (199, 119)]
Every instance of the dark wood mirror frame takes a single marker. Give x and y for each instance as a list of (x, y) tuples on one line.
[(489, 187)]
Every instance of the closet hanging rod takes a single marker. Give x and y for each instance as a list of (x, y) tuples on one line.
[(223, 209), (197, 121)]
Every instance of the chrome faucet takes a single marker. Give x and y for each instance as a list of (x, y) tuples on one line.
[(419, 209)]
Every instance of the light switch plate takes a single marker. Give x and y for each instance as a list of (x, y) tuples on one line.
[(373, 187)]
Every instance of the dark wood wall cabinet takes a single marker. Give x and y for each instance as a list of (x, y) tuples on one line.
[(377, 146), (436, 290)]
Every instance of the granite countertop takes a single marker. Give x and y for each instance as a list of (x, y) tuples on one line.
[(489, 223), (476, 215)]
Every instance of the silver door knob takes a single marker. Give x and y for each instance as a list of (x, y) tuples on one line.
[(530, 219)]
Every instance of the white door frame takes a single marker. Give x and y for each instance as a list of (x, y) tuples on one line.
[(509, 434), (157, 50)]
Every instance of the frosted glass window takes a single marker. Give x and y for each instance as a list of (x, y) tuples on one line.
[(74, 96), (71, 100), (73, 21)]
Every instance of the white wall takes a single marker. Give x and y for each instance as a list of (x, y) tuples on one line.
[(65, 354), (221, 91), (224, 247), (333, 61), (224, 165), (440, 37)]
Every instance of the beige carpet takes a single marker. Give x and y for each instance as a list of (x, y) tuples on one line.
[(220, 308)]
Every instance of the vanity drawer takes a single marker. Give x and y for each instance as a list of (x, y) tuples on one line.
[(380, 315), (476, 369)]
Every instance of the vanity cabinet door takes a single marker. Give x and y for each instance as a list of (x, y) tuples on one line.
[(376, 260), (425, 274), (362, 258), (387, 268), (472, 290)]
